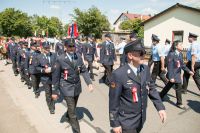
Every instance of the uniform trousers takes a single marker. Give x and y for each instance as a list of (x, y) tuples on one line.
[(107, 73), (157, 72), (35, 81), (196, 77), (71, 112), (14, 66), (90, 68), (178, 88), (48, 94)]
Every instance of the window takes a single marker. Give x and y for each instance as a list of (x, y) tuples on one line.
[(177, 35)]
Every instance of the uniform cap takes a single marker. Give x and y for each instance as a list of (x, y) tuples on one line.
[(133, 35), (134, 46), (69, 42), (193, 35), (155, 37), (25, 43), (168, 41), (90, 36), (108, 35), (45, 45)]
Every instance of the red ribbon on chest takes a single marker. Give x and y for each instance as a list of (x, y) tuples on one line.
[(178, 64), (65, 74), (134, 94)]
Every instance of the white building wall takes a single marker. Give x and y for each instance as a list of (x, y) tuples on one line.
[(179, 19)]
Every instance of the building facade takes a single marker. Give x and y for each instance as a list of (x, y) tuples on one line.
[(174, 23)]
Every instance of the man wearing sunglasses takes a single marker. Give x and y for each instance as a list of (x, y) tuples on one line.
[(129, 88)]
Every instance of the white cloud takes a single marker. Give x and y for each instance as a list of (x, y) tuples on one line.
[(114, 11), (54, 7), (149, 10), (194, 3)]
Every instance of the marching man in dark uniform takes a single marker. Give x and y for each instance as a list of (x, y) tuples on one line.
[(174, 66), (133, 36), (79, 46), (46, 61), (129, 88), (67, 78), (59, 48), (89, 51), (107, 58), (21, 59), (193, 57), (158, 58), (30, 67), (13, 48)]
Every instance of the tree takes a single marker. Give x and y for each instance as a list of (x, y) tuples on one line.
[(65, 29), (15, 22), (54, 27), (51, 25), (91, 21), (133, 25)]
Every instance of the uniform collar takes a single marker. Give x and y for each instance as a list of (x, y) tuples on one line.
[(135, 69), (177, 52)]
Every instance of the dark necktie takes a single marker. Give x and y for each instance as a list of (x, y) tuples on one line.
[(138, 73)]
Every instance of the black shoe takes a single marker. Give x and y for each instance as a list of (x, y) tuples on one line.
[(37, 95), (52, 111), (181, 106), (64, 119), (29, 87)]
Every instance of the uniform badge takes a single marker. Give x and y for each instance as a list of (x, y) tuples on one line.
[(129, 82), (128, 71), (107, 52), (113, 85), (30, 61), (111, 116), (24, 56)]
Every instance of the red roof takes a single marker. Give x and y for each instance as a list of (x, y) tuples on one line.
[(132, 16)]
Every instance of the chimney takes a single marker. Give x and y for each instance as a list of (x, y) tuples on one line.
[(127, 12)]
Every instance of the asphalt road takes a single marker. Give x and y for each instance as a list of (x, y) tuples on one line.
[(22, 113)]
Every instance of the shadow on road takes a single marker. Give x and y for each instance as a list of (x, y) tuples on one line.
[(193, 93), (194, 105), (80, 111)]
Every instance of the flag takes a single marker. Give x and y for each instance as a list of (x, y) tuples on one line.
[(72, 31), (75, 30), (69, 30)]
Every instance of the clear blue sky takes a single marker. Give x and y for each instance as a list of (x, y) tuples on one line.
[(111, 8)]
